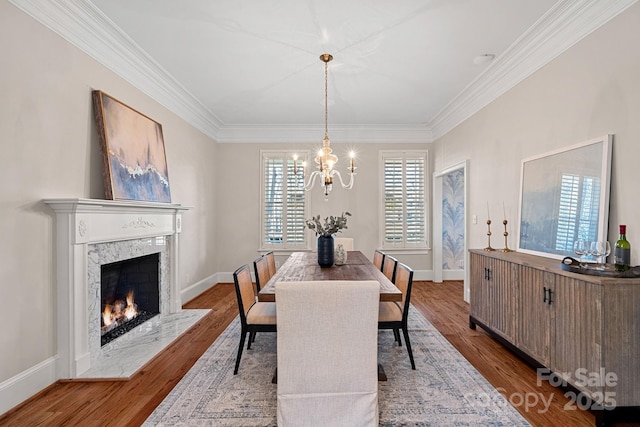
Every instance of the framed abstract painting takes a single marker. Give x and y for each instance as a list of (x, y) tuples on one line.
[(132, 146)]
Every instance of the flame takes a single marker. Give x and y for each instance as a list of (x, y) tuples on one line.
[(130, 311), (107, 317), (117, 311)]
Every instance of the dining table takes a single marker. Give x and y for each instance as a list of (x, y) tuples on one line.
[(303, 266)]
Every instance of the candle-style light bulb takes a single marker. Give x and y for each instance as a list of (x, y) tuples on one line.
[(352, 156), (295, 163)]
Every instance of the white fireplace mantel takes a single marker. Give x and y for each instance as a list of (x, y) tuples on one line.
[(84, 222)]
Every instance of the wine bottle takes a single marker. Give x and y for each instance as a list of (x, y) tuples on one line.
[(622, 251)]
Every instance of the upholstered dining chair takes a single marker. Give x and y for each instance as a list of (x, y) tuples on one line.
[(261, 270), (254, 316), (394, 315), (346, 242), (327, 353), (378, 258), (389, 267), (271, 262)]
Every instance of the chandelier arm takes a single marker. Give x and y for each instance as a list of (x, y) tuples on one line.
[(312, 180), (349, 185)]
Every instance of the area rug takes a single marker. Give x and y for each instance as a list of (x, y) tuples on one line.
[(444, 390)]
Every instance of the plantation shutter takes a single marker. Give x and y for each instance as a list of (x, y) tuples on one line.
[(284, 203), (404, 200)]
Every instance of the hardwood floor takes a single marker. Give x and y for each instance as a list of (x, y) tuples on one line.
[(129, 403)]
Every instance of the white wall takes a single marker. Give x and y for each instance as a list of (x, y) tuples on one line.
[(591, 90), (48, 149)]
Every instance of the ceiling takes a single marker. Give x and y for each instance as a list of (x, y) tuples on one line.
[(249, 71)]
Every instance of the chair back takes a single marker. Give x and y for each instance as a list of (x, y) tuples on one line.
[(404, 281), (327, 353), (261, 270), (244, 291), (389, 267), (346, 242), (271, 262), (378, 259)]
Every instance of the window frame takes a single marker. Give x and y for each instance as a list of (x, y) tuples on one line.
[(404, 245), (285, 245)]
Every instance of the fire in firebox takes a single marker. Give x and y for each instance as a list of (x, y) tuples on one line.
[(121, 317)]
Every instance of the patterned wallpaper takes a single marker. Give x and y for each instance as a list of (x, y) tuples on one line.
[(453, 220)]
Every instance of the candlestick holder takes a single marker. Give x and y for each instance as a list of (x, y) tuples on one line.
[(489, 248), (506, 247)]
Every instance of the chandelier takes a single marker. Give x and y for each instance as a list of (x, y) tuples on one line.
[(325, 160)]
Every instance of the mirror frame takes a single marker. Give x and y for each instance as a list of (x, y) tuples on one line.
[(552, 161)]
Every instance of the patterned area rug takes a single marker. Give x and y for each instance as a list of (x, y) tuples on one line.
[(445, 390)]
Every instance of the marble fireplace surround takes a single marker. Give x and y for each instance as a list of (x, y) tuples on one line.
[(92, 232)]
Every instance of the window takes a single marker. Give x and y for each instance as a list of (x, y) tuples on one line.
[(283, 203), (577, 211), (404, 199)]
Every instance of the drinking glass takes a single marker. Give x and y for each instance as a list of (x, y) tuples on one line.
[(600, 249), (581, 248)]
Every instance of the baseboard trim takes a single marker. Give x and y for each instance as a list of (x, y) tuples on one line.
[(199, 287), (26, 384)]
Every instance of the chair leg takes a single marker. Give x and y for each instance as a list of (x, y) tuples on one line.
[(252, 337), (396, 332), (243, 335), (405, 332)]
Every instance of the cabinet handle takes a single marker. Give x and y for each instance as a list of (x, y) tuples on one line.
[(550, 293), (487, 273), (545, 299)]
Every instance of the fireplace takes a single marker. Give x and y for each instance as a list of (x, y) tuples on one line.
[(129, 295), (90, 236)]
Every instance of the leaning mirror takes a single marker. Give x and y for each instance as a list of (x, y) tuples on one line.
[(564, 196)]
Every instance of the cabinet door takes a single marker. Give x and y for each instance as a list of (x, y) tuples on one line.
[(479, 289), (536, 317), (578, 316), (493, 294)]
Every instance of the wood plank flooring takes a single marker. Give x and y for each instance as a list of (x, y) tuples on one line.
[(129, 403)]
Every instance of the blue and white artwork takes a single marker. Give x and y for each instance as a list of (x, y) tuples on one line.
[(453, 220), (133, 145)]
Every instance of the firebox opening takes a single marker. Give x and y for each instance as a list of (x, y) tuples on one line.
[(129, 293)]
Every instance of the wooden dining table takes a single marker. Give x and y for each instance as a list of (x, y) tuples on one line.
[(303, 266)]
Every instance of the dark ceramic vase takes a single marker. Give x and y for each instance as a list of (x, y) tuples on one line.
[(325, 251)]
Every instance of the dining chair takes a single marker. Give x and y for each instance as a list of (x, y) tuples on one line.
[(261, 270), (346, 242), (271, 262), (327, 353), (389, 267), (393, 315), (378, 258), (254, 316)]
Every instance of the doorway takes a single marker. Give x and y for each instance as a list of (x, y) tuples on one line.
[(450, 229)]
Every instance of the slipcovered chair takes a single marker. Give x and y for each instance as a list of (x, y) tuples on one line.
[(271, 262), (378, 258), (394, 315), (346, 242), (327, 353), (254, 316), (389, 267)]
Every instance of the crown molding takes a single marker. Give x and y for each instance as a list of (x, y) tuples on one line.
[(561, 27), (85, 26)]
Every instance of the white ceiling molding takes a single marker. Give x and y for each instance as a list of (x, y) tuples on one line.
[(86, 27), (561, 27), (314, 134)]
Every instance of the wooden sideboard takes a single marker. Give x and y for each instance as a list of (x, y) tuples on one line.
[(585, 329)]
